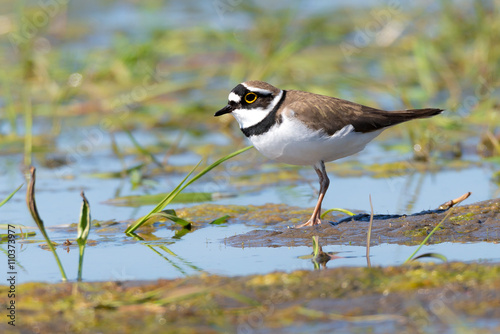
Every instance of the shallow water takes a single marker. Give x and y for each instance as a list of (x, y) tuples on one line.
[(59, 199), (118, 257), (204, 251)]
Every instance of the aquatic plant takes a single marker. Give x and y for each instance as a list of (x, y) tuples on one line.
[(10, 196), (437, 227), (83, 232), (30, 201), (180, 187)]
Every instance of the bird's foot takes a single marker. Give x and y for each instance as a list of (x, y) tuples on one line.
[(310, 222)]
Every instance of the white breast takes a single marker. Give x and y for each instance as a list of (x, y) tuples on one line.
[(294, 143)]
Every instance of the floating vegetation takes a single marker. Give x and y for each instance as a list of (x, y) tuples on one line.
[(184, 197)]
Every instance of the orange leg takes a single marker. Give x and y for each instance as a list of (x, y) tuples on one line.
[(324, 182)]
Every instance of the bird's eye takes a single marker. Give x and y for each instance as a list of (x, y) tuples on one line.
[(250, 97)]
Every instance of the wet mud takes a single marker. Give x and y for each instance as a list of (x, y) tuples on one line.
[(275, 225)]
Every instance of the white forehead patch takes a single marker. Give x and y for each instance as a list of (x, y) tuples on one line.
[(257, 90), (234, 97)]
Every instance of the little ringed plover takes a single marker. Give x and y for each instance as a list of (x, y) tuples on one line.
[(301, 128)]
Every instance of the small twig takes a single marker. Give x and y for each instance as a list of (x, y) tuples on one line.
[(369, 236), (454, 202)]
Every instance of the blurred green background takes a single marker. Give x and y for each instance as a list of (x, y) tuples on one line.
[(144, 64)]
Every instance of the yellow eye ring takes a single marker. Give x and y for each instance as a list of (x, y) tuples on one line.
[(250, 97)]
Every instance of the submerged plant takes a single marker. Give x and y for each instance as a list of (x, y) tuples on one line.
[(180, 187)]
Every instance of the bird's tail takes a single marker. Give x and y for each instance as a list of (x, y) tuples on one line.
[(419, 113), (379, 119)]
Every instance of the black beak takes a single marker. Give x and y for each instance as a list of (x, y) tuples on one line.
[(226, 110)]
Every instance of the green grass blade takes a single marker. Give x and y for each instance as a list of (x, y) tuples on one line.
[(215, 164), (172, 217), (183, 186), (84, 224), (220, 220), (135, 236), (428, 236), (30, 201), (337, 209), (10, 196), (83, 232), (22, 235), (164, 202)]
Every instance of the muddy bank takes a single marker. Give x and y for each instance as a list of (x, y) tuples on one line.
[(411, 299), (468, 223)]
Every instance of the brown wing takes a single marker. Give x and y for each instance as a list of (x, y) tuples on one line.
[(332, 114)]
